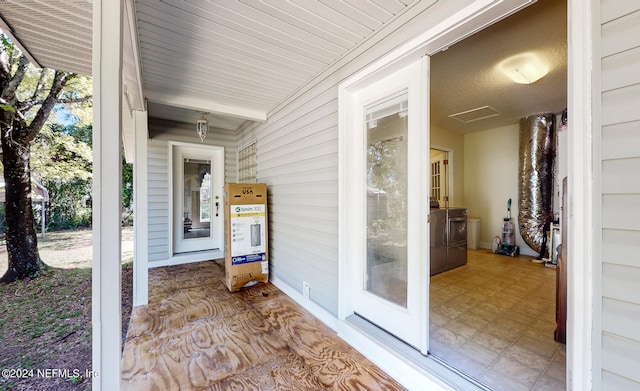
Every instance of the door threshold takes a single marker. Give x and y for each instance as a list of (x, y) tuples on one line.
[(188, 257), (429, 364)]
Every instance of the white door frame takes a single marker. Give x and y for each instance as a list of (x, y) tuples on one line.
[(581, 336), (217, 155)]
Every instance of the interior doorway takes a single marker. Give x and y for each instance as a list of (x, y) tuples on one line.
[(439, 173), (494, 318)]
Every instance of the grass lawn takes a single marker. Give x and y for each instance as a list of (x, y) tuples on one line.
[(70, 249), (45, 323)]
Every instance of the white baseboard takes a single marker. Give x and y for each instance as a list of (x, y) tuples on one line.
[(318, 311)]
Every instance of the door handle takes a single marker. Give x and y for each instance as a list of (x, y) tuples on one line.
[(217, 208)]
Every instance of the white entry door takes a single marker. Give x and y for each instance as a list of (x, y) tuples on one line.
[(391, 201), (198, 179)]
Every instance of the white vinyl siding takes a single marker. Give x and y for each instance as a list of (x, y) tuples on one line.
[(158, 177), (620, 151), (158, 204), (298, 160)]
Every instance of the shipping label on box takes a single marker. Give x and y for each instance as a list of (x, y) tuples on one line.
[(248, 229)]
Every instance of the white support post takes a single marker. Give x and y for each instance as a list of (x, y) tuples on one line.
[(582, 30), (140, 210), (107, 149)]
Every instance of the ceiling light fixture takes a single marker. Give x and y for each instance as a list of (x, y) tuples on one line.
[(202, 126), (524, 68)]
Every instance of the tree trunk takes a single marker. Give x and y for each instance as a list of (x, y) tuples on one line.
[(22, 242)]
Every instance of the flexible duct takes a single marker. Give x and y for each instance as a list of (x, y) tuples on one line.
[(537, 151)]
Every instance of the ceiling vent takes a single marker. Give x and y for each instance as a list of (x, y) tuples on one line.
[(473, 115)]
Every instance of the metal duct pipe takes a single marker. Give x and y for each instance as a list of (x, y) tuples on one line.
[(537, 151)]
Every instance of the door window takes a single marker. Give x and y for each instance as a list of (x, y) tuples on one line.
[(386, 198), (196, 203)]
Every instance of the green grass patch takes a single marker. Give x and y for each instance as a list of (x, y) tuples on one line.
[(39, 314), (46, 322)]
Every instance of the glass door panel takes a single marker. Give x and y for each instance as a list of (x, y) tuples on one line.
[(386, 199), (197, 198)]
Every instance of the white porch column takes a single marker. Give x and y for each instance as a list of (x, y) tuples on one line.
[(140, 210), (106, 313), (583, 34)]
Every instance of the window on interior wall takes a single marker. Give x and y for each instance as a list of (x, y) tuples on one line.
[(247, 164)]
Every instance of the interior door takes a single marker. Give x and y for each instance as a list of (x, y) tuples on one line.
[(439, 176), (197, 200), (392, 271)]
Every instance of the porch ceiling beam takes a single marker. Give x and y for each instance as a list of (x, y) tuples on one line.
[(187, 102)]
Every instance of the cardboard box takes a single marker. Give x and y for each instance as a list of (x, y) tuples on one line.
[(246, 248)]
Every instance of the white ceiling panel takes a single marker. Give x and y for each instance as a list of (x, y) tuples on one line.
[(240, 59), (249, 54), (57, 33)]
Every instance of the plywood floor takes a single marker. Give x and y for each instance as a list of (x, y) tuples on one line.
[(195, 335)]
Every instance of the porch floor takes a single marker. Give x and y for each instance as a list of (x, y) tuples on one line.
[(196, 335)]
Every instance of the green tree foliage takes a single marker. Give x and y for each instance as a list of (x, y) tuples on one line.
[(61, 160), (79, 132), (28, 95), (127, 184), (386, 174)]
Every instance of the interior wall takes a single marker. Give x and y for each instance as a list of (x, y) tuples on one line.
[(453, 142), (491, 178)]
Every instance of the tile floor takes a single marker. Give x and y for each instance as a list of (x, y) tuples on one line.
[(494, 318)]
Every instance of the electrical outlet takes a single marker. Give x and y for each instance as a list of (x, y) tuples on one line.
[(305, 289)]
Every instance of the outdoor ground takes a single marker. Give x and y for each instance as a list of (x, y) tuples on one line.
[(45, 323)]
